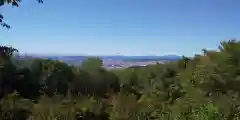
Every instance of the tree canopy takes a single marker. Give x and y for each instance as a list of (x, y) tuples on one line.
[(204, 87)]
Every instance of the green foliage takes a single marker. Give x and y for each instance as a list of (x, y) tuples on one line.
[(92, 63), (205, 87)]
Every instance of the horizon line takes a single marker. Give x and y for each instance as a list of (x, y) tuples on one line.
[(85, 54), (51, 54)]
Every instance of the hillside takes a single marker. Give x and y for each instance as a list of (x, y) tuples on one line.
[(201, 88)]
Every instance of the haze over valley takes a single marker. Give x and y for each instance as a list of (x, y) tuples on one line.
[(111, 62)]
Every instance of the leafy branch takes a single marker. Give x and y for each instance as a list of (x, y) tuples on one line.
[(14, 3)]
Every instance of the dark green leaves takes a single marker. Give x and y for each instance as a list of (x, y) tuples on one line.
[(2, 23), (92, 63), (1, 16), (203, 88), (40, 1), (14, 3)]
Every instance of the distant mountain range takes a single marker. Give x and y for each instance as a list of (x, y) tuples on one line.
[(108, 60), (124, 58)]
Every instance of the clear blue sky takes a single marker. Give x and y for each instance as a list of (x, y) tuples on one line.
[(127, 27)]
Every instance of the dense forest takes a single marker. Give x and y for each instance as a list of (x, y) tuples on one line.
[(205, 87)]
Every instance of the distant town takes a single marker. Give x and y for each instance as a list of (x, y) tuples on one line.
[(113, 62)]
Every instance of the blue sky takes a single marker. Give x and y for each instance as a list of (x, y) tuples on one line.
[(126, 27)]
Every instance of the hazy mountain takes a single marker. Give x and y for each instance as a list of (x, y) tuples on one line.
[(165, 57), (108, 60)]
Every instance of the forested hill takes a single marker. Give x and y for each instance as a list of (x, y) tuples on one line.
[(205, 87)]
